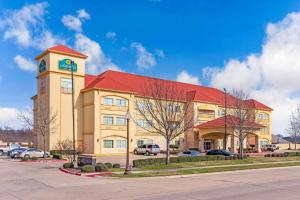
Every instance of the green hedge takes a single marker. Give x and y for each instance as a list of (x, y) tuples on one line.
[(68, 165), (109, 165), (57, 156), (116, 165), (88, 168), (101, 168), (157, 161), (285, 154), (55, 152)]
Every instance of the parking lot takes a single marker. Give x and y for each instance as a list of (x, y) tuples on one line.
[(36, 181)]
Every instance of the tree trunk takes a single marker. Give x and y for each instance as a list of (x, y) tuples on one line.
[(45, 146), (241, 149), (295, 141), (168, 152)]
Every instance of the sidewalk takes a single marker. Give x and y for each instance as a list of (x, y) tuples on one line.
[(205, 167)]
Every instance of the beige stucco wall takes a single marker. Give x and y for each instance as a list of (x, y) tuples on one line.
[(90, 132)]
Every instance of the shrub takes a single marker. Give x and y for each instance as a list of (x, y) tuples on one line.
[(101, 168), (108, 165), (33, 158), (57, 156), (157, 161), (25, 158), (116, 165), (68, 165), (88, 168), (69, 152)]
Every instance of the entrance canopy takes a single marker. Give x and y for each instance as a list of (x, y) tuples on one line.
[(230, 121)]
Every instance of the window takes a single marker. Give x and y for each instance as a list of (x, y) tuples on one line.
[(206, 114), (177, 109), (108, 101), (140, 105), (66, 85), (140, 143), (221, 113), (149, 124), (141, 123), (120, 102), (265, 116), (149, 141), (121, 144), (120, 121), (149, 106), (108, 120), (43, 85), (170, 108), (108, 144)]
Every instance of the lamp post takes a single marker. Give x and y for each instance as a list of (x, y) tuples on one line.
[(127, 169), (225, 118), (73, 114)]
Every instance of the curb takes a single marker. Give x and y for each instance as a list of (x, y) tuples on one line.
[(42, 161), (91, 175)]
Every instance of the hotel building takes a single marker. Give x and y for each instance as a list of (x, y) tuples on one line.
[(102, 101)]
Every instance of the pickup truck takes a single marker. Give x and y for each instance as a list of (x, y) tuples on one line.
[(5, 148)]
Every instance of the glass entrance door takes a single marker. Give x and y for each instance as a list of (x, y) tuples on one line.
[(207, 145)]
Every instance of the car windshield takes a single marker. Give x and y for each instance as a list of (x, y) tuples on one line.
[(155, 146)]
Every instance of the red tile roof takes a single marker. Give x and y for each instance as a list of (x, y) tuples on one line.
[(220, 123), (131, 83), (62, 50)]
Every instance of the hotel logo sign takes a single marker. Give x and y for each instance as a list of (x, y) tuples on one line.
[(66, 64)]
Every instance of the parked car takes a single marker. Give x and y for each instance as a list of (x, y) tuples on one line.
[(220, 152), (15, 153), (6, 148), (189, 153), (33, 152), (271, 147), (147, 149)]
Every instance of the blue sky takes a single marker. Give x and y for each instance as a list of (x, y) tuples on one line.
[(192, 41)]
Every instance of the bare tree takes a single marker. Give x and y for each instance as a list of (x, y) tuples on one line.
[(243, 118), (66, 148), (294, 125), (163, 107), (42, 122)]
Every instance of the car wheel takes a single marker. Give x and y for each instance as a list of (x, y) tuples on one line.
[(147, 153), (135, 152), (27, 156), (1, 152), (155, 154)]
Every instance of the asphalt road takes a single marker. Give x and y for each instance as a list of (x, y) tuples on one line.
[(30, 181)]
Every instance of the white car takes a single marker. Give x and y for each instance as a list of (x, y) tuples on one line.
[(5, 149), (33, 152)]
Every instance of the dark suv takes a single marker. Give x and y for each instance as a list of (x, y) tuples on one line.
[(147, 149), (220, 152)]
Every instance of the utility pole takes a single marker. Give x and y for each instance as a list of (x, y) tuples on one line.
[(73, 113), (127, 169), (225, 118)]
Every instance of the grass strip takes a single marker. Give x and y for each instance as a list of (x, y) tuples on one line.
[(207, 170)]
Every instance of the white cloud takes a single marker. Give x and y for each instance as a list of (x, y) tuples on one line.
[(272, 76), (75, 22), (82, 14), (160, 53), (145, 59), (111, 35), (27, 27), (97, 61), (72, 22), (9, 117), (185, 77), (24, 63)]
